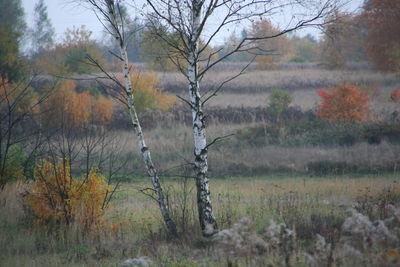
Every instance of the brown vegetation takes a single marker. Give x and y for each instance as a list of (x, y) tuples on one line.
[(383, 36)]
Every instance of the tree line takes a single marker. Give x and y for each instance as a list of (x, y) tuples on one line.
[(367, 35)]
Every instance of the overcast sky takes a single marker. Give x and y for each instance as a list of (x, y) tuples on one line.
[(65, 15)]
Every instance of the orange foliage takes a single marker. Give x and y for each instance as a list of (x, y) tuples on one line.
[(4, 85), (79, 109), (57, 197), (395, 95), (146, 93), (102, 109), (344, 103), (76, 110), (278, 48)]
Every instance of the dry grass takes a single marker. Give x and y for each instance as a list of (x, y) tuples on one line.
[(135, 229), (173, 147), (305, 99), (255, 82)]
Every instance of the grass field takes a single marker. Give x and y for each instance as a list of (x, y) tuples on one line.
[(272, 208), (133, 227)]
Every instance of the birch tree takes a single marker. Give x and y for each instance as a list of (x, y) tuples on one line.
[(109, 13), (198, 23)]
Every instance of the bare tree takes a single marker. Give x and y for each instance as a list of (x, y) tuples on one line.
[(197, 23), (110, 15), (18, 127)]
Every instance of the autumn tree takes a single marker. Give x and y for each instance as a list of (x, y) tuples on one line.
[(79, 44), (345, 103), (67, 109), (272, 50), (305, 49), (382, 19), (70, 56), (342, 40)]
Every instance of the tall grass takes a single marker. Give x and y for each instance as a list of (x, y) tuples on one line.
[(172, 148)]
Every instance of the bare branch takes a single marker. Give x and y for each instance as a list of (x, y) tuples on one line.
[(217, 140)]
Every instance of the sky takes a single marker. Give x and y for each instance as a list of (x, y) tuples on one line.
[(64, 14)]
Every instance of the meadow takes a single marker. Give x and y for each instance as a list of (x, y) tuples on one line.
[(200, 133), (300, 191), (240, 109), (308, 206)]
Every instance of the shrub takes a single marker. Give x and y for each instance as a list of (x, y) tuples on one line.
[(297, 133), (395, 95), (297, 59), (74, 110), (279, 101), (322, 168), (345, 103), (147, 95), (375, 133), (57, 197)]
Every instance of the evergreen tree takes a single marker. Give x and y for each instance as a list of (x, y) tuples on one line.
[(13, 14), (12, 29)]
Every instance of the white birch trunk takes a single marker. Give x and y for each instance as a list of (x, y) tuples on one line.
[(206, 217), (151, 170)]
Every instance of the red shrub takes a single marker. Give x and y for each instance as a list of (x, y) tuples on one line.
[(344, 103)]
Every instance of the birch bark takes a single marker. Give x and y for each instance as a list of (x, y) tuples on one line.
[(206, 217), (151, 170)]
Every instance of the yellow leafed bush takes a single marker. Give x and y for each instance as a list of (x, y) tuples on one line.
[(56, 197), (146, 93)]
